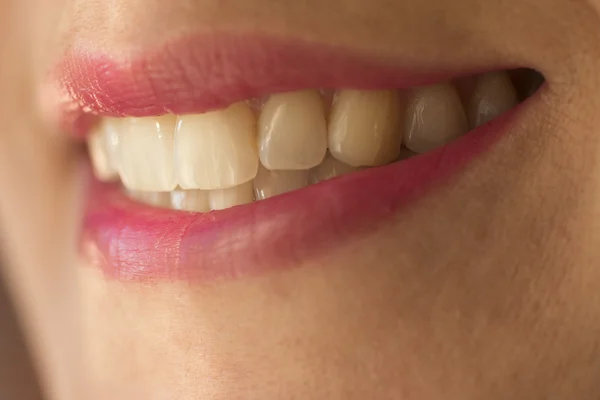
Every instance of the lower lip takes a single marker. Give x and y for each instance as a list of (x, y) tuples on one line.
[(134, 242)]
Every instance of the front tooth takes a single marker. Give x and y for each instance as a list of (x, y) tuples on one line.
[(224, 198), (435, 116), (493, 95), (216, 150), (292, 131), (190, 200), (155, 199), (329, 168), (146, 154), (365, 127), (272, 183)]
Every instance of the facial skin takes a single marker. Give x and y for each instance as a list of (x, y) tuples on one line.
[(487, 288)]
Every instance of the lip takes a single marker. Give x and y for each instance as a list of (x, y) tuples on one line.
[(202, 72), (131, 241)]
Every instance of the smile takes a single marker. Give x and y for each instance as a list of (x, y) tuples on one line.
[(218, 184)]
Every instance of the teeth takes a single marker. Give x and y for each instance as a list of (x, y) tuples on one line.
[(103, 145), (224, 198), (190, 200), (103, 169), (264, 147), (494, 94), (292, 131), (155, 199), (146, 154), (330, 168), (272, 183), (435, 117), (112, 127), (365, 128), (216, 150)]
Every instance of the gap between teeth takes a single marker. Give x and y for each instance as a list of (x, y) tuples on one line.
[(248, 151)]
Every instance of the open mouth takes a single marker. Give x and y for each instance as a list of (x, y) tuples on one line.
[(261, 183), (260, 148)]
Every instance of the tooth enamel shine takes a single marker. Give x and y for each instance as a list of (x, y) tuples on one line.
[(146, 154), (494, 94), (292, 131), (216, 150), (435, 117)]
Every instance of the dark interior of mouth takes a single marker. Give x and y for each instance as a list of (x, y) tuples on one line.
[(526, 81), (260, 148)]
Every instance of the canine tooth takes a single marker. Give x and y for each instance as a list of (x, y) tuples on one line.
[(435, 116), (330, 168), (111, 128), (272, 183), (220, 199), (365, 127), (98, 149), (103, 146), (146, 154), (292, 131), (216, 150), (493, 95), (190, 200), (155, 199)]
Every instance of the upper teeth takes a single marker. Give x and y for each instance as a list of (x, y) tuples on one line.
[(436, 118), (216, 150), (292, 132), (493, 95), (146, 156), (366, 128), (223, 150)]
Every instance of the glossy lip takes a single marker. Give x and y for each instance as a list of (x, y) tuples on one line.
[(130, 241), (201, 72)]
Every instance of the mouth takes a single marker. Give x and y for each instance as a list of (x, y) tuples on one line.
[(249, 164)]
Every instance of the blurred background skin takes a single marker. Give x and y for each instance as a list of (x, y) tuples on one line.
[(39, 168), (18, 380)]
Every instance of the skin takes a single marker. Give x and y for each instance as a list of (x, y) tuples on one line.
[(487, 288)]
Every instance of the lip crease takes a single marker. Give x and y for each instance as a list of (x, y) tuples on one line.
[(134, 242)]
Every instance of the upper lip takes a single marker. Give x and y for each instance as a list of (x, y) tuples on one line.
[(202, 72)]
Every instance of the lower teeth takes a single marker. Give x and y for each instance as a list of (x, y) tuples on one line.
[(265, 185), (230, 157)]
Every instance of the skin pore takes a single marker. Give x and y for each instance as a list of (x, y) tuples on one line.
[(486, 288)]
